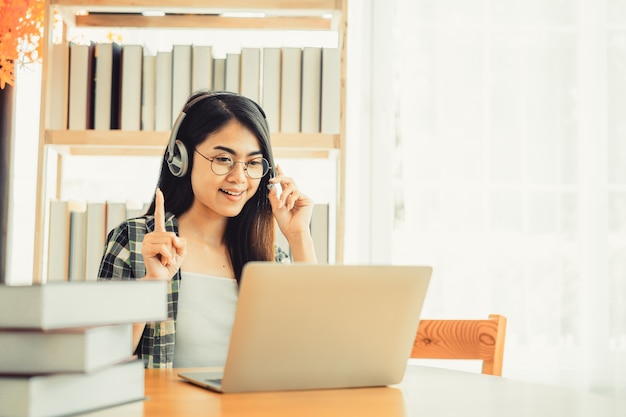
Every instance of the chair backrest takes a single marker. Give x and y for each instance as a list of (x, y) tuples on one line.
[(463, 339)]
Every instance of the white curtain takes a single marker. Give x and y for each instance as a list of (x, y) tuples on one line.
[(510, 156)]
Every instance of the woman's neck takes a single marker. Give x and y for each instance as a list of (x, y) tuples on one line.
[(206, 251), (202, 225)]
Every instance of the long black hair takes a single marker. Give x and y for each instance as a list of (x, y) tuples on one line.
[(249, 236)]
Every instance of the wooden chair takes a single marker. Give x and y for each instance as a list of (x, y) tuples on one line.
[(463, 339)]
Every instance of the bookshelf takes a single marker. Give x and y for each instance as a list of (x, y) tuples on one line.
[(56, 144)]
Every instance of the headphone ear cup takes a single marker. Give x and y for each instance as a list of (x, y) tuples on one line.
[(179, 160)]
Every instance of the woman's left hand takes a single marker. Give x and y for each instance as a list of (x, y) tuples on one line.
[(292, 209)]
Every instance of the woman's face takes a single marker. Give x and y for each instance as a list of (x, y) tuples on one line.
[(226, 194)]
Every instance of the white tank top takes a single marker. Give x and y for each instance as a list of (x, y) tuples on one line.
[(206, 311)]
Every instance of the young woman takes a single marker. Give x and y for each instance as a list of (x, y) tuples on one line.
[(214, 209)]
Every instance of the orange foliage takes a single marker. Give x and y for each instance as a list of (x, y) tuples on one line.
[(21, 29)]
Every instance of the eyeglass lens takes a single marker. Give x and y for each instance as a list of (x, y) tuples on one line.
[(255, 168)]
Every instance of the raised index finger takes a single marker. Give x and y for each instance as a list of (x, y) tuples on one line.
[(159, 211)]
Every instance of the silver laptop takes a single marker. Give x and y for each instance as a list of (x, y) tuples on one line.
[(305, 326)]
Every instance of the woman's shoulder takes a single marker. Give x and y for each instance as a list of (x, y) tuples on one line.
[(136, 227)]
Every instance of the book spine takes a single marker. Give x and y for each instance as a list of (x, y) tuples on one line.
[(251, 73), (202, 68), (78, 238), (58, 92), (331, 91), (80, 87), (219, 74), (181, 77), (270, 87), (148, 93), (232, 73), (95, 239), (311, 94), (130, 101), (163, 91), (58, 241), (290, 93)]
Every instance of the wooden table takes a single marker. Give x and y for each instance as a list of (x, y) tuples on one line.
[(424, 392)]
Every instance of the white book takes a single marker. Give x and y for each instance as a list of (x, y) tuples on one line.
[(130, 87), (78, 349), (232, 73), (331, 91), (219, 74), (163, 93), (56, 305), (136, 209), (311, 89), (251, 73), (270, 97), (57, 97), (106, 89), (320, 231), (291, 83), (95, 238), (58, 241), (116, 213), (80, 113), (201, 68), (63, 394), (148, 93), (78, 240), (181, 77)]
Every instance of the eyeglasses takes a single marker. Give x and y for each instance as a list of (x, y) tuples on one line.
[(223, 164)]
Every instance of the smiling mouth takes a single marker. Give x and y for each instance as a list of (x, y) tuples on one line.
[(233, 193)]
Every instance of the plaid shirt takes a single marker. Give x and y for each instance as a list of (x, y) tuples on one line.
[(122, 260)]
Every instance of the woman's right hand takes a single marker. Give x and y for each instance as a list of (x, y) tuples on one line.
[(163, 252)]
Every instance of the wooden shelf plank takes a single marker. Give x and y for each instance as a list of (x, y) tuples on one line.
[(203, 4), (204, 21), (112, 142), (311, 8)]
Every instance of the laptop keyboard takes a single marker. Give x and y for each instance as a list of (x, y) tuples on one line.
[(217, 381)]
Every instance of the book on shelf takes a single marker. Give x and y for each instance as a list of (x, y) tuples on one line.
[(232, 72), (148, 92), (201, 67), (219, 74), (320, 232), (67, 350), (56, 305), (181, 77), (58, 241), (331, 91), (106, 85), (130, 87), (251, 73), (290, 93), (311, 85), (136, 209), (270, 87), (57, 98), (94, 238), (64, 394), (78, 240), (116, 213), (80, 105), (163, 91)]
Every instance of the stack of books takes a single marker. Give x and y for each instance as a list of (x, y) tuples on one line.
[(66, 347)]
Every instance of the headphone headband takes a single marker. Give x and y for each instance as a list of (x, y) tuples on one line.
[(176, 153)]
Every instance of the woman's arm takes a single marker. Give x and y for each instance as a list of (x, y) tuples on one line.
[(293, 210)]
